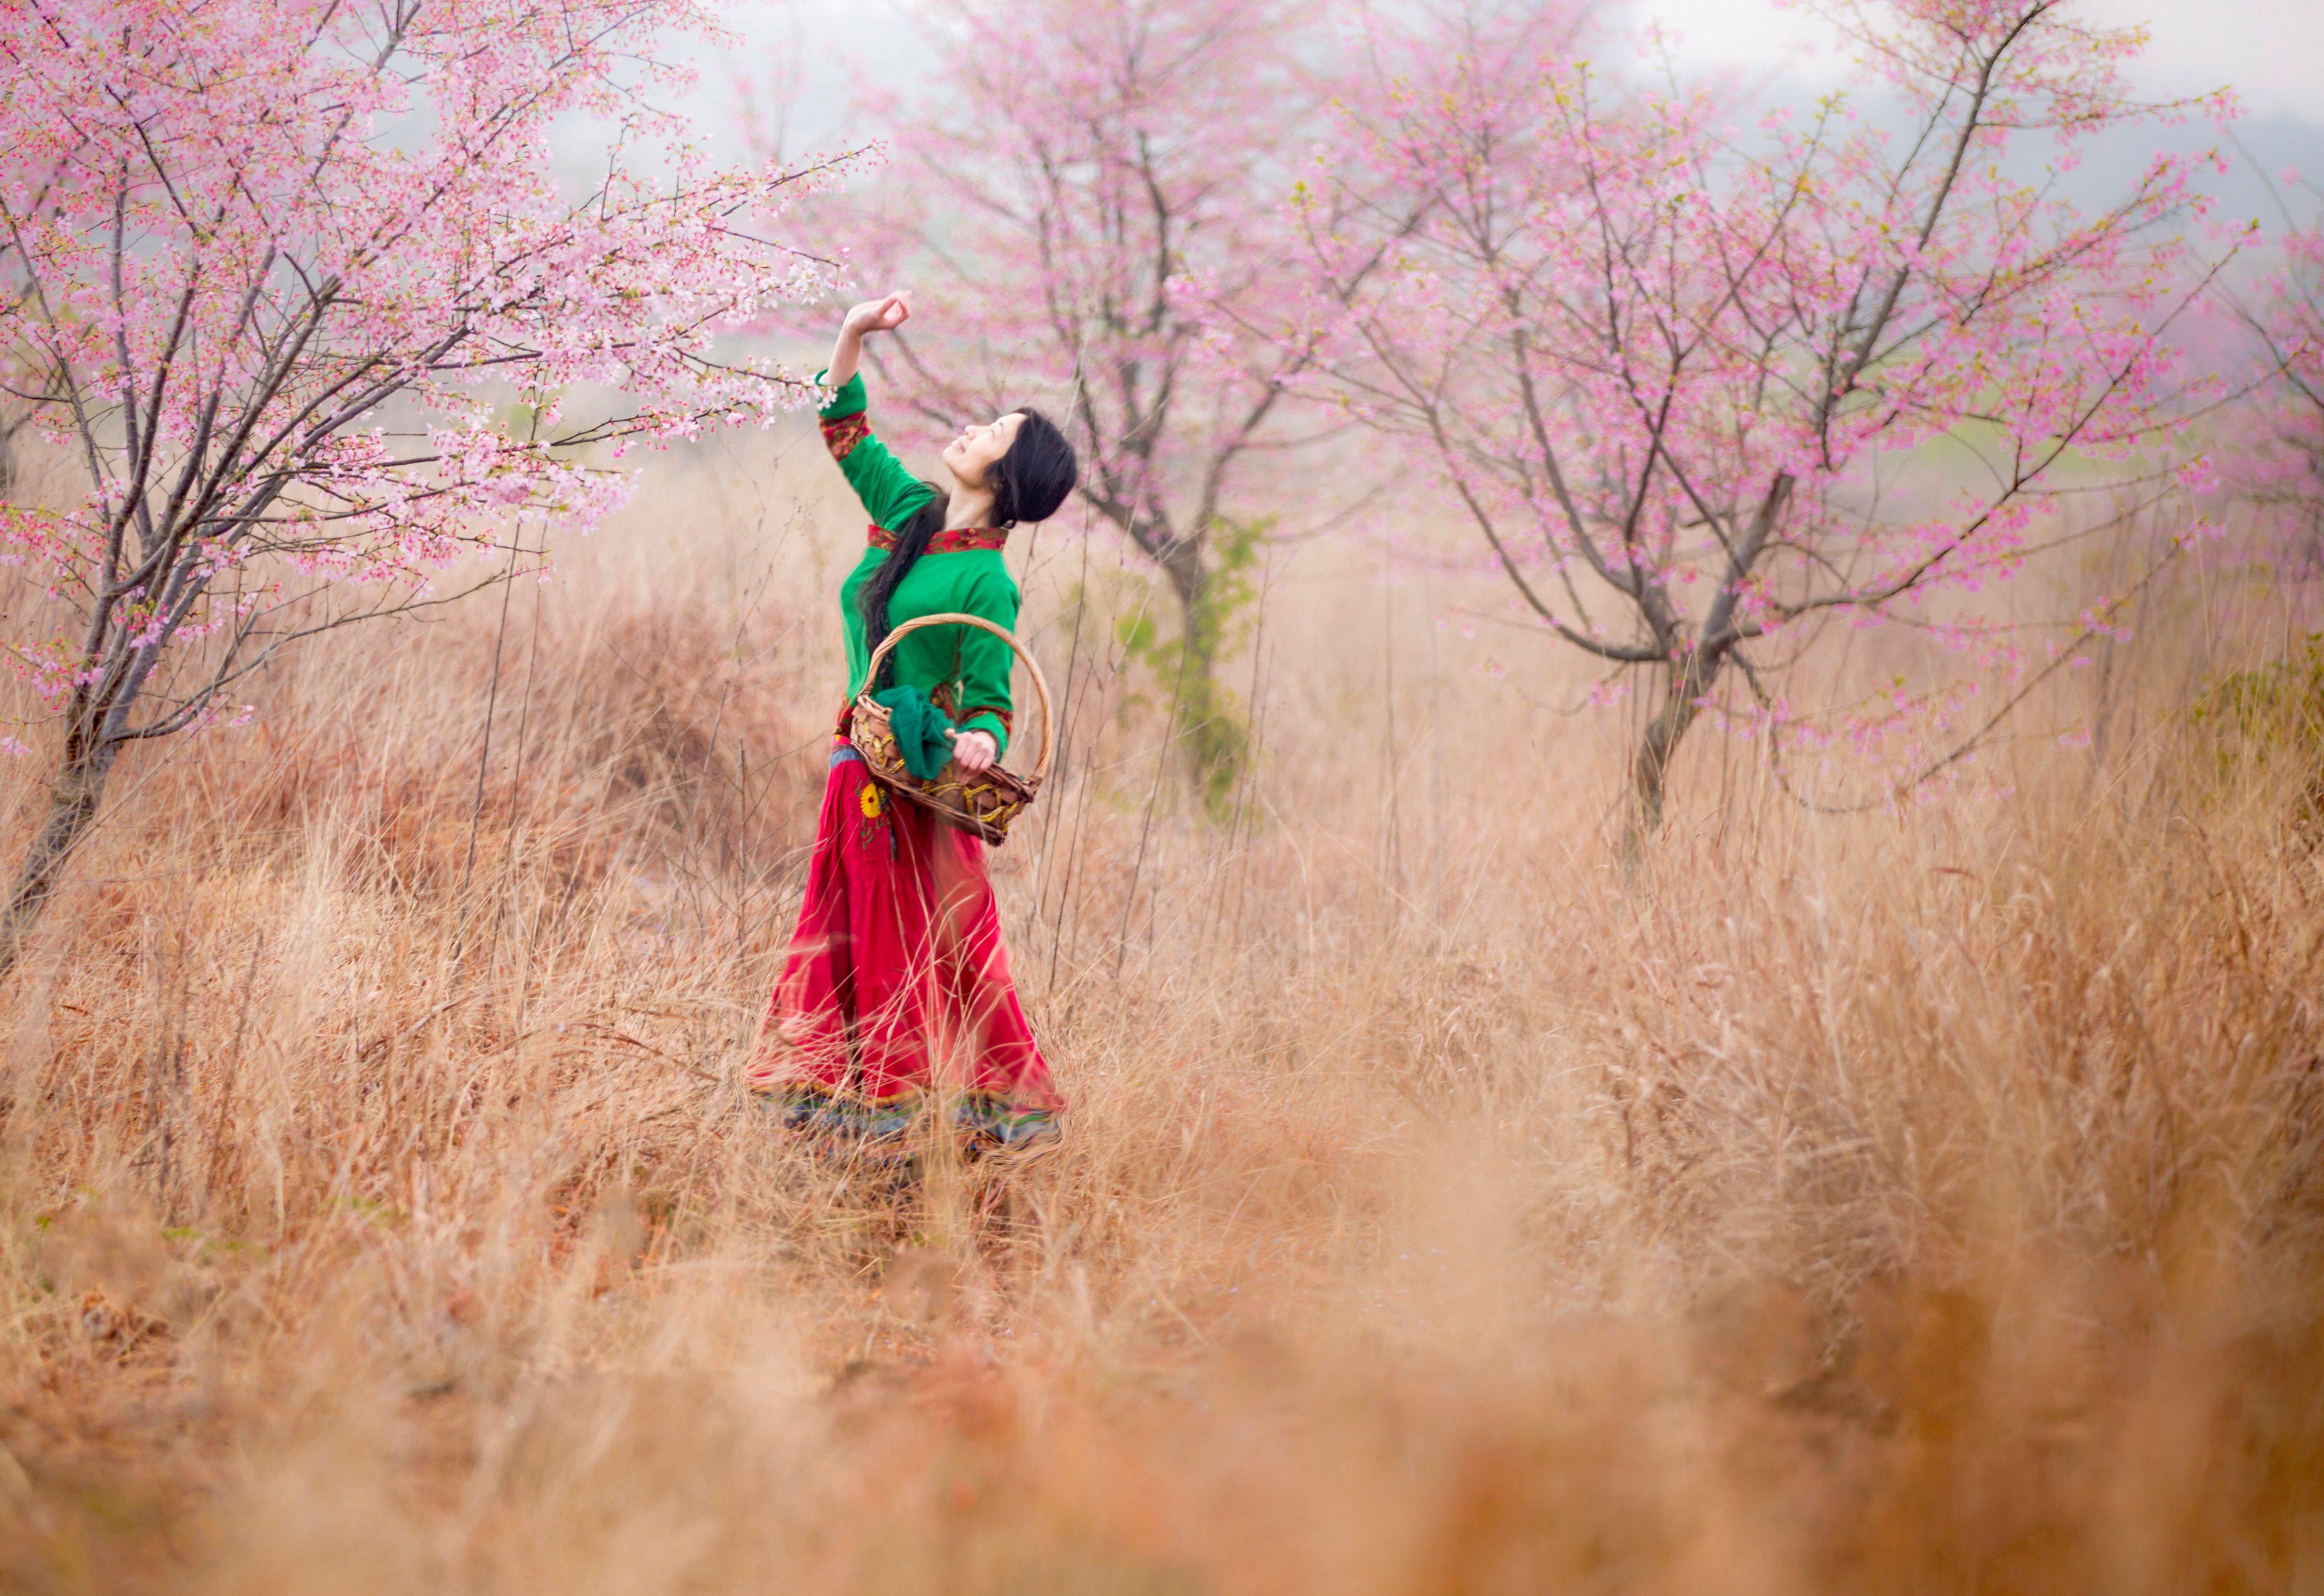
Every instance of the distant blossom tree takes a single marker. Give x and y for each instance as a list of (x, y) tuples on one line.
[(1674, 371), (1092, 193), (292, 282), (2282, 461)]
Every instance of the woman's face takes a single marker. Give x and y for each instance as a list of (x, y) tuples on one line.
[(971, 454)]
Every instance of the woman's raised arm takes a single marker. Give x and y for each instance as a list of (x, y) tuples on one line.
[(890, 494)]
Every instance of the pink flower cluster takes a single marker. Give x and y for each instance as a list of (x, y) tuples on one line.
[(2279, 459), (295, 284), (1701, 376)]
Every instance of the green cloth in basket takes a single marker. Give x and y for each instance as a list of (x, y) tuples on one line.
[(923, 732)]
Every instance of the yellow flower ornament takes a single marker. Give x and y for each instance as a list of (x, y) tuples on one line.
[(871, 800)]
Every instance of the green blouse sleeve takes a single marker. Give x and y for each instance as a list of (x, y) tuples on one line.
[(890, 492), (985, 662)]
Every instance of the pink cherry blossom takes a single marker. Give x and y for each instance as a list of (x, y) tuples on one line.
[(293, 283), (1701, 382), (2278, 462)]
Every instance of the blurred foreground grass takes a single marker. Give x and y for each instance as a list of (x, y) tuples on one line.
[(1907, 1203)]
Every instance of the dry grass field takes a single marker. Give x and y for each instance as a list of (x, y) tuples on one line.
[(1922, 1202)]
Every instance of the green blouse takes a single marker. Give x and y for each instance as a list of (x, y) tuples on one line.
[(963, 571)]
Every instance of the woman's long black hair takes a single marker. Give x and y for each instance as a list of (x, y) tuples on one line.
[(1028, 482)]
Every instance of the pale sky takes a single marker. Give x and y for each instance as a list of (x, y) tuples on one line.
[(2271, 51)]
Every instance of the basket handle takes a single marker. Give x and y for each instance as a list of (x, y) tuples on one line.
[(960, 618)]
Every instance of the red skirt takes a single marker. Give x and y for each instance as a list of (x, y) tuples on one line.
[(897, 982)]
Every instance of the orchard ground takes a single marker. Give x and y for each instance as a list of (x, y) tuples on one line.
[(1924, 1199)]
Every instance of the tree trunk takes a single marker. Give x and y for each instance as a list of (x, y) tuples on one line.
[(1687, 681), (73, 799), (1181, 562), (1214, 743)]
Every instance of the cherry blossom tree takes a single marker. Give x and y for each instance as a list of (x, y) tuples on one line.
[(2280, 461), (1698, 388), (1092, 195), (292, 282)]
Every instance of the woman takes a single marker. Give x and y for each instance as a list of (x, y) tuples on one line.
[(897, 980)]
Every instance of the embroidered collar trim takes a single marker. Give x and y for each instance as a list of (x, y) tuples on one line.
[(951, 539)]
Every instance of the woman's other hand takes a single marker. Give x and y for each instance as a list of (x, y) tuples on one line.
[(880, 315), (974, 751)]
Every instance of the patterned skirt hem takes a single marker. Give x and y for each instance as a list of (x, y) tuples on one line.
[(989, 1121)]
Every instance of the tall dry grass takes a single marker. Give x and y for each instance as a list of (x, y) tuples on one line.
[(1917, 1202)]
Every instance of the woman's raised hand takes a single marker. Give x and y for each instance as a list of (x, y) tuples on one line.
[(880, 315), (872, 315)]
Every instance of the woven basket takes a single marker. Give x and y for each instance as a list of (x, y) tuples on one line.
[(984, 803)]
